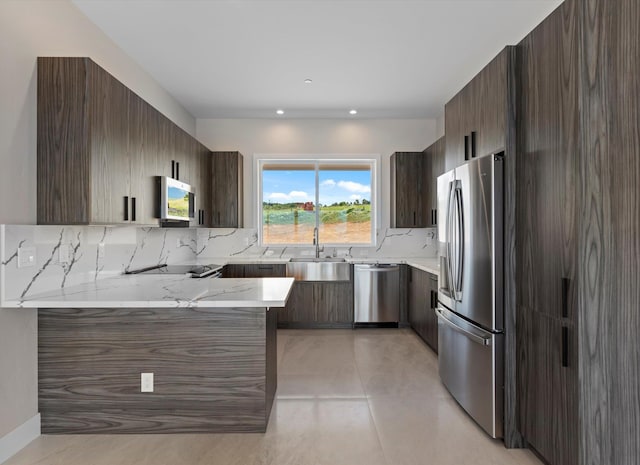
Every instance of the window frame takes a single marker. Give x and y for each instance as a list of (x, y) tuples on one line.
[(315, 161)]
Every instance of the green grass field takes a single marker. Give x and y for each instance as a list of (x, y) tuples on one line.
[(275, 214)]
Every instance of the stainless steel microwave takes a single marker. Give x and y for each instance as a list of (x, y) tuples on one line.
[(177, 200)]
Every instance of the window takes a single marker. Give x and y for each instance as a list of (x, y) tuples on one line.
[(335, 196)]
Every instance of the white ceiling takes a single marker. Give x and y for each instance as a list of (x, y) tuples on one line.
[(246, 58)]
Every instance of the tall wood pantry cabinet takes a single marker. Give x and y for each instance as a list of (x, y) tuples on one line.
[(578, 220)]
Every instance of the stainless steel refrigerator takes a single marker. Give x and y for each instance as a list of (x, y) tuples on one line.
[(470, 294)]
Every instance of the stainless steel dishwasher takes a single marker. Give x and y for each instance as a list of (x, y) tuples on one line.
[(376, 295)]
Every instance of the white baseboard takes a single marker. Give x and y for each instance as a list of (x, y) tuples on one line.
[(13, 442)]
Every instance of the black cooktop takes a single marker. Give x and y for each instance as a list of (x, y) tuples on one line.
[(196, 271)]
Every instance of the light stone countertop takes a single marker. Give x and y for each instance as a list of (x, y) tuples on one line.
[(167, 291)]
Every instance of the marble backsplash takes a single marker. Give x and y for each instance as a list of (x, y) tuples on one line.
[(70, 255), (243, 243)]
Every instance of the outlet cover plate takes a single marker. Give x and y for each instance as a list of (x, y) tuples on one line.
[(26, 257), (146, 382)]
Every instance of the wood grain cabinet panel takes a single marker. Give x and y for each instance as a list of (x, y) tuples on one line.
[(477, 119), (550, 400), (435, 159), (143, 147), (265, 270), (423, 289), (255, 270), (100, 147), (214, 369), (319, 304), (608, 256), (227, 198), (546, 252), (409, 190)]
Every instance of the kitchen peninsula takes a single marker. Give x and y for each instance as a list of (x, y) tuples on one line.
[(210, 344)]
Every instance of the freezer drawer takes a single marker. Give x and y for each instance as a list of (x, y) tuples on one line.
[(471, 367), (376, 295)]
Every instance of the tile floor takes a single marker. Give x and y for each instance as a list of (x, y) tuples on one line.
[(344, 397)]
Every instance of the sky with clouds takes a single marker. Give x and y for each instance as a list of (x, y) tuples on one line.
[(299, 186)]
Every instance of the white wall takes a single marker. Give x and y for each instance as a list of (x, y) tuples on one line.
[(29, 29), (440, 127), (33, 28), (351, 137)]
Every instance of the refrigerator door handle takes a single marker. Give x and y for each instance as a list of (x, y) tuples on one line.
[(451, 289), (460, 243), (484, 341)]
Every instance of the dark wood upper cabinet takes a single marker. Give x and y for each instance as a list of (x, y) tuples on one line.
[(83, 160), (227, 199), (476, 119), (409, 190), (143, 146), (101, 146), (435, 160)]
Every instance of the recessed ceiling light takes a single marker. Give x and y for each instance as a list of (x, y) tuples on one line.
[(280, 112), (353, 112), (308, 81)]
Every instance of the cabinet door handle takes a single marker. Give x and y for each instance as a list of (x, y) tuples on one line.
[(178, 170), (126, 208), (173, 169), (414, 218), (435, 216), (565, 346), (565, 298), (466, 147), (473, 144), (218, 218), (133, 208)]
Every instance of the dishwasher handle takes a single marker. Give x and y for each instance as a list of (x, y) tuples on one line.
[(376, 268)]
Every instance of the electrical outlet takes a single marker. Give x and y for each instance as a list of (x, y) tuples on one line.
[(101, 250), (63, 253), (146, 382), (246, 241), (26, 257)]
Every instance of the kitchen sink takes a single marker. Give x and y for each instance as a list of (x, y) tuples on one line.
[(319, 269)]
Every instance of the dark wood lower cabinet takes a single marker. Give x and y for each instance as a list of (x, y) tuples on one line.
[(255, 270), (318, 304), (423, 288), (214, 369)]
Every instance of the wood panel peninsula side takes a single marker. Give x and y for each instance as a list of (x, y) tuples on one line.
[(211, 346)]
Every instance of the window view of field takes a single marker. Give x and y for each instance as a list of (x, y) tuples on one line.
[(289, 212)]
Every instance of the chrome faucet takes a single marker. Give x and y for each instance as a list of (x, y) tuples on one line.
[(315, 242)]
